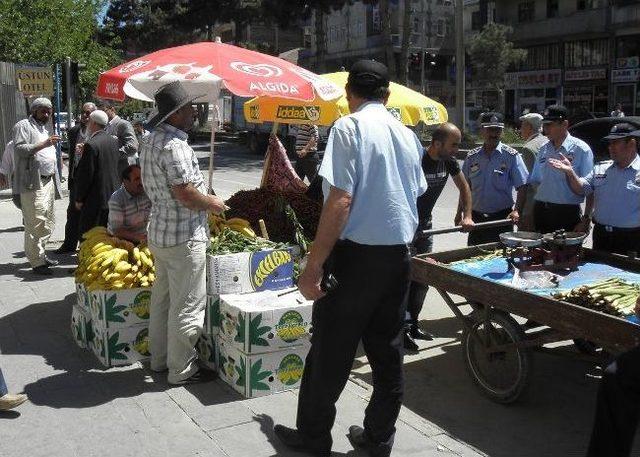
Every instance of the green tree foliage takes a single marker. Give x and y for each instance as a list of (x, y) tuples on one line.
[(492, 53), (48, 31)]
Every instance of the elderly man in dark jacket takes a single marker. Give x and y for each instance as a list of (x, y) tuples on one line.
[(123, 131), (77, 134), (97, 174)]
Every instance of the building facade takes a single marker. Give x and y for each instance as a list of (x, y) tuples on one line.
[(582, 53)]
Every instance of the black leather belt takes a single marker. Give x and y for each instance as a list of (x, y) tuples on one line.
[(46, 177), (611, 229), (557, 205)]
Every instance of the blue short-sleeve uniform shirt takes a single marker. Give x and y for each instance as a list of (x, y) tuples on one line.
[(493, 177), (616, 193), (377, 160), (552, 184)]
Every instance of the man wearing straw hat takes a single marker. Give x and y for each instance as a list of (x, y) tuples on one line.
[(177, 235)]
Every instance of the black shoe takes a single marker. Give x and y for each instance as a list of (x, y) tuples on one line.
[(409, 342), (199, 376), (42, 270), (50, 263), (359, 439), (293, 439), (64, 250), (418, 334)]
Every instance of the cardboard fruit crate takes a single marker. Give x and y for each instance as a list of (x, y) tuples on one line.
[(265, 321), (260, 374), (269, 269)]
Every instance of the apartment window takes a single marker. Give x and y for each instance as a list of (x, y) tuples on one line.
[(526, 11), (543, 57), (585, 53), (476, 20), (552, 8), (441, 27)]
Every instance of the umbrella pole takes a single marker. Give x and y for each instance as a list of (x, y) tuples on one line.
[(212, 147)]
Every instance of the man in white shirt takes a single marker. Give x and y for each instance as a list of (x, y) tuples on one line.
[(36, 179)]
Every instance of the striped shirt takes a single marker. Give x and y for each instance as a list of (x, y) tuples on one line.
[(128, 212), (167, 160), (305, 133)]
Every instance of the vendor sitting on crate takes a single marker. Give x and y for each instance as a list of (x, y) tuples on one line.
[(613, 190), (493, 171), (129, 208)]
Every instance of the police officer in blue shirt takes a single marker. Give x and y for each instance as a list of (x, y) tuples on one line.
[(494, 170), (372, 178), (556, 205), (613, 190)]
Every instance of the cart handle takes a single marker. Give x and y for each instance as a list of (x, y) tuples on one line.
[(458, 228)]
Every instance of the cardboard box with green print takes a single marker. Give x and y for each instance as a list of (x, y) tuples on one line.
[(114, 309), (121, 346), (258, 375), (265, 321)]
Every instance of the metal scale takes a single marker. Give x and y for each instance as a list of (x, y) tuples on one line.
[(531, 251)]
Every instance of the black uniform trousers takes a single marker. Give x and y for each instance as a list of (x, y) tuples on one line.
[(616, 240), (418, 292), (617, 408), (72, 226), (368, 304), (549, 217), (490, 234), (307, 166)]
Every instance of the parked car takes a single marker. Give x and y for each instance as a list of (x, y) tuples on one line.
[(593, 130)]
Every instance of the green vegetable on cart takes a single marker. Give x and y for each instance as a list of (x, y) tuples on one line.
[(612, 296), (231, 242)]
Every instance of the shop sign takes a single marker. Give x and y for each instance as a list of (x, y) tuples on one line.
[(585, 74), (629, 75), (35, 80), (628, 62), (533, 79)]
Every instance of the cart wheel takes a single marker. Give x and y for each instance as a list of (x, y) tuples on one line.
[(502, 376)]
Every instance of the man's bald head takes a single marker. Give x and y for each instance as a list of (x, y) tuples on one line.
[(445, 141)]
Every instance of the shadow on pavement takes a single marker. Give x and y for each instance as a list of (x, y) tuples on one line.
[(266, 427), (556, 411), (43, 329), (12, 229), (24, 273), (9, 414)]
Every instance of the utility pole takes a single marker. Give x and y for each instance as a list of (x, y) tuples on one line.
[(460, 65), (67, 70), (56, 120)]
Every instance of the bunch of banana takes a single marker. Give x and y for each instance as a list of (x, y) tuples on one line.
[(107, 263), (218, 223)]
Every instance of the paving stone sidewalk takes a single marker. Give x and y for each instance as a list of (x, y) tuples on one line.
[(78, 408)]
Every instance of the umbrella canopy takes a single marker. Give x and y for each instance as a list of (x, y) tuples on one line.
[(407, 105), (206, 67)]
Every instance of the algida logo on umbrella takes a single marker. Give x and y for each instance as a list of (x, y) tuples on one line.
[(290, 369), (268, 268), (291, 326), (300, 113)]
